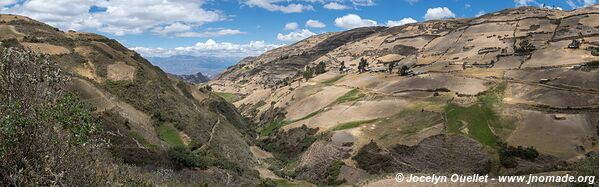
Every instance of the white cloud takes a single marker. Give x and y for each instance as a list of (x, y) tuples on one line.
[(581, 3), (173, 28), (291, 26), (315, 24), (210, 48), (295, 36), (121, 16), (438, 13), (403, 21), (7, 2), (211, 34), (482, 12), (362, 2), (467, 6), (271, 5), (523, 2), (351, 21), (412, 1), (571, 4), (589, 2), (335, 6)]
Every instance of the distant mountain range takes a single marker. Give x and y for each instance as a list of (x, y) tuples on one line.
[(190, 65), (193, 78)]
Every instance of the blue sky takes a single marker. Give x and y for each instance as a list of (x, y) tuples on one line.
[(243, 27)]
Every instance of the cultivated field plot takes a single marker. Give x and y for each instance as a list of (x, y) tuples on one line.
[(437, 82), (302, 106), (46, 48), (577, 25), (557, 54), (565, 77), (565, 138), (350, 112), (543, 96)]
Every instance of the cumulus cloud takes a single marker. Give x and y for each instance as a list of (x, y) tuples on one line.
[(345, 4), (523, 2), (584, 3), (335, 6), (482, 12), (315, 24), (438, 13), (362, 2), (173, 28), (412, 1), (589, 2), (210, 48), (211, 34), (351, 21), (272, 5), (403, 21), (120, 17), (295, 36), (6, 2), (291, 26)]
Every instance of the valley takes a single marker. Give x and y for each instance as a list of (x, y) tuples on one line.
[(514, 92)]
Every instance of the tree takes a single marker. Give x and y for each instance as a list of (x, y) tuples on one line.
[(320, 68), (404, 71), (362, 65), (391, 66), (309, 73), (525, 47)]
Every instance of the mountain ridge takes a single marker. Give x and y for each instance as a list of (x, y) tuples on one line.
[(403, 98)]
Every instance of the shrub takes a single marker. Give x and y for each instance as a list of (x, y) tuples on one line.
[(183, 157), (332, 174), (46, 136), (508, 153), (525, 47), (587, 167), (404, 71)]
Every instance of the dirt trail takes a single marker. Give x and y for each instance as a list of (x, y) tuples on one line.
[(203, 147)]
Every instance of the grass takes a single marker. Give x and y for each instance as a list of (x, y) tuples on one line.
[(417, 120), (353, 124), (272, 126), (478, 118), (280, 123), (333, 80), (352, 95), (229, 97), (170, 135)]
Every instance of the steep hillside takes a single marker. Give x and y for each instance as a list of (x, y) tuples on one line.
[(152, 121), (193, 79), (458, 90)]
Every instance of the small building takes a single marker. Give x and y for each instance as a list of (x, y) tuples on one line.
[(575, 44), (544, 81), (558, 116)]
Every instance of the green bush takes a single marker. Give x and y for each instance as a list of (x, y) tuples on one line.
[(508, 153), (333, 173), (587, 167), (184, 158), (404, 71)]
